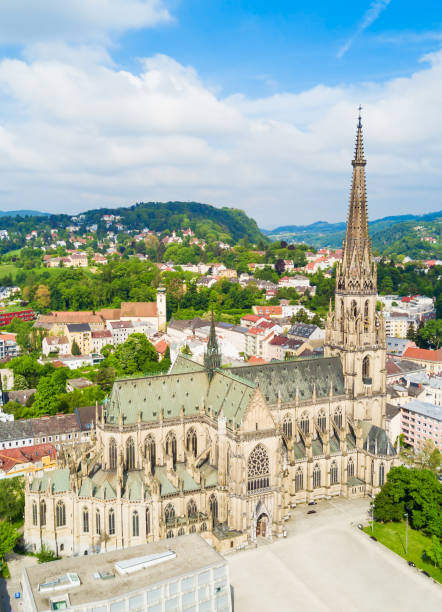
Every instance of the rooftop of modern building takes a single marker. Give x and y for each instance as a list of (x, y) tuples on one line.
[(100, 581), (75, 328), (424, 408)]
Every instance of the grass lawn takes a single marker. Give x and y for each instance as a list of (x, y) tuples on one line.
[(8, 268), (392, 535)]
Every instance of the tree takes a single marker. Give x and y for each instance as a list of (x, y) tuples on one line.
[(434, 552), (430, 335), (20, 382), (185, 350), (8, 538), (12, 499), (411, 333), (45, 555), (75, 349), (137, 354), (43, 296), (280, 266)]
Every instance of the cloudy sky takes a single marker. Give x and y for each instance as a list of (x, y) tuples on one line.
[(244, 103)]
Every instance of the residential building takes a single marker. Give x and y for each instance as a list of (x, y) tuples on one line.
[(120, 331), (393, 421), (398, 369), (80, 333), (398, 346), (421, 421), (77, 384), (185, 574), (26, 314), (432, 360), (307, 332), (101, 338), (30, 459), (55, 344), (279, 347), (7, 378)]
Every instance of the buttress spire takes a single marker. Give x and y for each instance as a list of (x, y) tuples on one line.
[(212, 356)]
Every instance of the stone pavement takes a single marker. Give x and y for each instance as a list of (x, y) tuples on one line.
[(327, 564), (9, 587)]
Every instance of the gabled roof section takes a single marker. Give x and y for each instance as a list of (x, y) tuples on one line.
[(151, 394), (183, 364), (231, 396), (302, 375)]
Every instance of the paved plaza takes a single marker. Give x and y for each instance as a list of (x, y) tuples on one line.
[(327, 564)]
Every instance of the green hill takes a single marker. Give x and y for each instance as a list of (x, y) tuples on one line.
[(395, 234)]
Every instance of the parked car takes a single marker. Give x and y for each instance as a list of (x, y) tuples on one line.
[(312, 503), (411, 564), (311, 512)]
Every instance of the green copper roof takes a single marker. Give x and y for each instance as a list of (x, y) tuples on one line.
[(149, 395), (59, 480), (183, 364), (289, 376), (230, 395), (335, 445)]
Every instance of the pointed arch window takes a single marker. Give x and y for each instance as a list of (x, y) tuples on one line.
[(258, 469), (322, 420), (203, 527), (169, 514), (111, 518), (304, 424), (192, 442), (150, 451), (192, 510), (181, 531), (169, 535), (316, 476), (135, 524), (34, 513), (334, 473), (147, 521), (354, 309), (130, 454), (213, 505), (299, 479), (43, 513), (350, 468), (192, 529), (337, 417), (381, 474), (287, 426), (60, 514), (366, 378), (171, 445), (85, 520), (97, 522), (112, 454)]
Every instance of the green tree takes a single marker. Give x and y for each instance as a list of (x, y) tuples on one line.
[(45, 555), (8, 538), (20, 382), (75, 349), (137, 354), (430, 335), (12, 499), (434, 552)]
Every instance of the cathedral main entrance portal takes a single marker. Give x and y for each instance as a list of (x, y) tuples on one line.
[(261, 525)]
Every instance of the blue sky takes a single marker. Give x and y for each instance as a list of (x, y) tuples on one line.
[(249, 104)]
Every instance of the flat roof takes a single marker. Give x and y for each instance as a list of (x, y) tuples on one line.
[(424, 408), (192, 553)]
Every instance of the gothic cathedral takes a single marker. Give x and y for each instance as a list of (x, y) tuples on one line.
[(228, 452)]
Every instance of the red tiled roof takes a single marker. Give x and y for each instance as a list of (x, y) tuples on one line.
[(251, 318), (28, 454), (254, 359), (139, 309), (101, 334), (424, 354), (161, 347), (268, 310)]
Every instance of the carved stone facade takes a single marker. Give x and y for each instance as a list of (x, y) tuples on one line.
[(227, 453)]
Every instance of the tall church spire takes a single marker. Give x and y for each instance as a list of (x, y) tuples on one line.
[(357, 272), (212, 356)]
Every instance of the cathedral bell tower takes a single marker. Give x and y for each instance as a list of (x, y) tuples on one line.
[(355, 330)]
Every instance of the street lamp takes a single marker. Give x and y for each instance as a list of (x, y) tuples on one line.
[(372, 517), (406, 532)]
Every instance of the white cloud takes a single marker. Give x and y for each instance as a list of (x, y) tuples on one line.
[(369, 17), (26, 22), (76, 132)]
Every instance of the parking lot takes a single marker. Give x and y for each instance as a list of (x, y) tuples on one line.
[(327, 564)]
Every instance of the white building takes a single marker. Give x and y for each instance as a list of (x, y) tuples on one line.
[(181, 574)]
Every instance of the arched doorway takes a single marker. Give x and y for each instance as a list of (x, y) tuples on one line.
[(261, 525)]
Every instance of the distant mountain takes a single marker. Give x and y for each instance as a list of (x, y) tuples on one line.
[(23, 213), (322, 233)]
